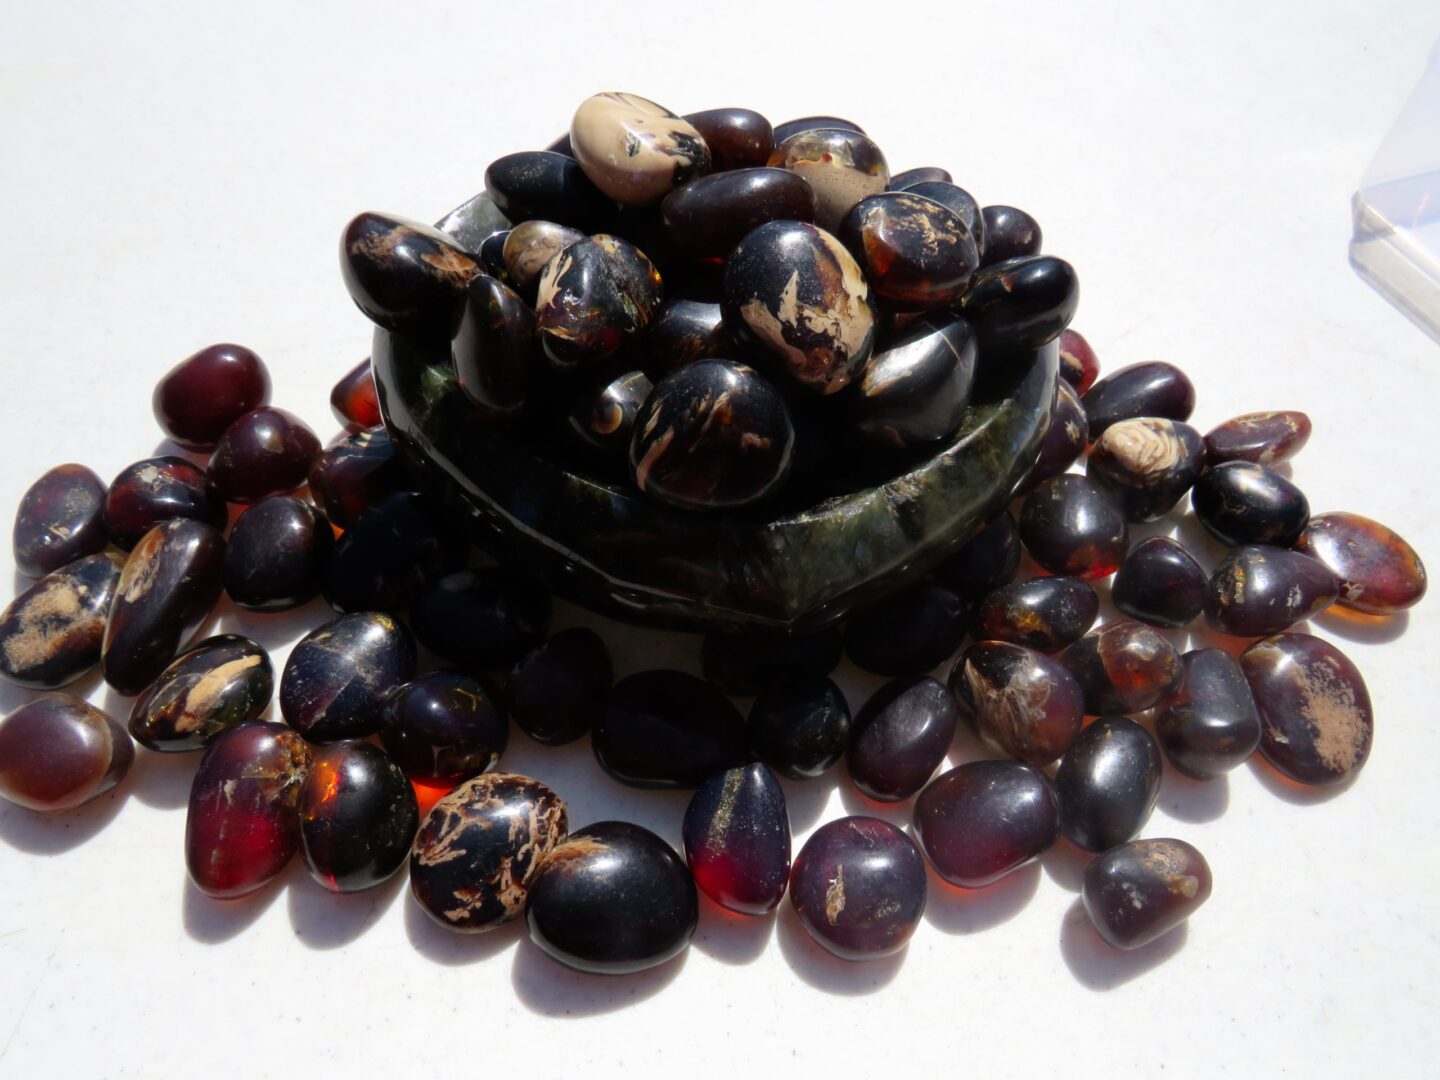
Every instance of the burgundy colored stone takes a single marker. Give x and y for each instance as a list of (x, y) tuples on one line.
[(267, 451), (61, 518), (197, 399)]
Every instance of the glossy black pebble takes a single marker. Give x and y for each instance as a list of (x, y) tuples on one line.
[(908, 632), (746, 663), (442, 728), (403, 275), (216, 685), (1208, 724), (1108, 783), (914, 391), (858, 886), (160, 489), (899, 737), (337, 676), (492, 349), (1143, 889), (612, 899), (987, 561), (708, 217), (1010, 233), (277, 554), (482, 618), (1153, 388), (1123, 667), (351, 476), (1160, 583), (979, 821), (922, 174), (1070, 525), (545, 185), (593, 297), (1022, 303), (61, 518), (1244, 503), (784, 130), (737, 839), (737, 138), (667, 729), (394, 551), (358, 817), (605, 418), (268, 451), (1147, 463), (51, 633), (1045, 614), (1019, 702), (801, 728), (913, 250), (557, 691), (1260, 590), (684, 331)]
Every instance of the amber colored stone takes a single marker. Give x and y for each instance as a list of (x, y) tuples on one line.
[(1316, 721), (1045, 614), (1160, 583), (277, 554), (737, 839), (1379, 573), (900, 736), (354, 401), (160, 489), (1153, 388), (1243, 503), (980, 821), (1072, 526), (1265, 438), (267, 451), (337, 676), (355, 473), (51, 634), (1021, 303), (1108, 782), (1064, 441), (218, 684), (667, 729), (243, 824), (197, 399), (1138, 891), (1010, 233), (1079, 366), (358, 816), (1020, 703), (1208, 724), (784, 130), (1263, 590), (443, 727), (737, 138), (61, 518), (955, 199), (492, 351), (913, 250), (57, 752), (1123, 667)]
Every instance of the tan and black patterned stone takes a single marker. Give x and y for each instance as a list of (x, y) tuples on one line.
[(913, 250), (337, 676), (216, 685), (842, 166), (403, 275), (634, 150), (50, 634), (1148, 464), (594, 297), (1141, 890)]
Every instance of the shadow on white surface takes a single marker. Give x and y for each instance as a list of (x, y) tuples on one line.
[(211, 921), (1065, 865), (163, 780), (276, 629), (806, 800), (1099, 966), (1193, 801), (1291, 792), (1358, 626), (551, 989), (442, 946), (325, 920), (41, 833), (170, 448), (827, 972), (730, 937), (13, 697), (970, 911)]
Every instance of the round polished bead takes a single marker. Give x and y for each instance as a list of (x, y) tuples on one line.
[(197, 399), (61, 518)]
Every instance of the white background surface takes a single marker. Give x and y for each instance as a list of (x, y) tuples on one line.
[(177, 174)]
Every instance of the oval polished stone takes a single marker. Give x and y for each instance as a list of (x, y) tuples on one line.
[(1079, 366), (1265, 438), (337, 676), (358, 816), (1019, 702), (1064, 441), (393, 552), (914, 391), (268, 451), (170, 582), (712, 435), (987, 561), (922, 174), (634, 150), (492, 349), (1243, 503), (1143, 889), (1160, 583), (1153, 388), (842, 166), (57, 752), (543, 185), (1147, 463), (1208, 724), (667, 729), (1045, 614), (955, 199), (196, 400), (1316, 722), (980, 821), (909, 632), (557, 691), (1108, 782), (594, 297), (1379, 573), (1021, 303), (858, 886), (784, 130), (156, 490), (210, 688), (479, 851), (485, 617), (351, 476), (912, 249), (801, 728), (442, 728), (737, 839), (682, 332), (492, 256), (794, 291), (612, 899), (243, 822), (61, 518), (900, 736), (708, 217), (1261, 590), (1123, 667), (529, 247), (737, 138), (1010, 233), (353, 399), (605, 418), (277, 554), (747, 663), (1072, 526), (51, 633), (403, 275)]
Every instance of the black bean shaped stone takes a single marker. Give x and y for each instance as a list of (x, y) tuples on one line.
[(912, 249), (746, 663), (793, 291), (1021, 303), (1065, 439), (1160, 583), (213, 686), (156, 490), (737, 839), (593, 297), (800, 728), (1260, 590), (1139, 891), (479, 851), (354, 474), (1010, 233), (1266, 438), (358, 817), (909, 632), (737, 138), (955, 199), (1153, 388), (1244, 503), (443, 727), (545, 185), (1148, 464), (486, 617), (557, 691), (708, 217), (603, 417), (900, 736), (277, 554), (1045, 614), (170, 582), (1124, 667), (403, 275), (392, 553), (1019, 702), (1208, 724), (914, 391), (61, 518), (1072, 526), (492, 350), (683, 332), (338, 675), (667, 729), (923, 174), (980, 821), (612, 899), (1108, 782), (987, 561), (51, 633)]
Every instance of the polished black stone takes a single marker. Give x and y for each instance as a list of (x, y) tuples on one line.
[(1045, 613), (908, 632), (922, 174), (801, 728), (557, 691), (61, 518), (473, 221), (1160, 583), (1208, 724), (708, 217), (1153, 388), (216, 685), (900, 736), (1108, 782), (1021, 303), (685, 331), (1009, 234), (603, 416), (277, 554), (268, 451), (442, 727), (354, 474), (666, 729), (337, 676), (545, 185), (51, 633), (393, 552), (746, 663), (987, 561), (1138, 891), (1070, 525), (979, 821), (358, 817), (1244, 503), (160, 489), (737, 138), (492, 349), (913, 391), (1123, 667), (403, 275), (482, 618), (955, 199), (737, 839), (1260, 590)]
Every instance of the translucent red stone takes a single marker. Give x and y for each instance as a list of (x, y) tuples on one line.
[(57, 752), (197, 399), (1019, 702), (1123, 667), (1259, 589), (1266, 438), (1079, 366), (354, 473), (160, 489), (737, 839), (980, 821), (1379, 573), (354, 400), (1071, 526)]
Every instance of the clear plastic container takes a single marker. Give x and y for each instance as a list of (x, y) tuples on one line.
[(1396, 243)]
